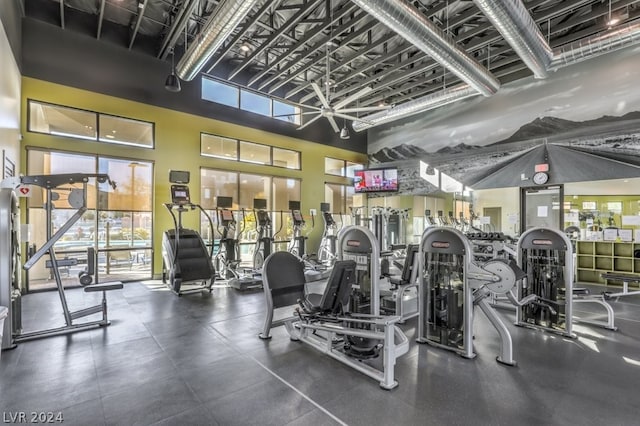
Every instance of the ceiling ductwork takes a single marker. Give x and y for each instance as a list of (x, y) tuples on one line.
[(606, 42), (425, 103), (513, 21), (413, 26), (599, 44), (224, 19)]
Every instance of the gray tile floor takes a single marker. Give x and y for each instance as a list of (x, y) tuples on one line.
[(196, 360)]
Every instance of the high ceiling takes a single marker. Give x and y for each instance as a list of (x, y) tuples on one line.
[(282, 46)]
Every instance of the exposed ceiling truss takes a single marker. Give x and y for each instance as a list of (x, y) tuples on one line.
[(279, 48)]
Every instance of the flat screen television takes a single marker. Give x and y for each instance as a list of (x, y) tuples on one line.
[(376, 180), (259, 203), (224, 202)]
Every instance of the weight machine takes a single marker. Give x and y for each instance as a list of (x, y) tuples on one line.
[(10, 291), (546, 257), (327, 322), (451, 284), (185, 257)]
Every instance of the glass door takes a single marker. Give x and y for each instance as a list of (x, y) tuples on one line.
[(541, 207)]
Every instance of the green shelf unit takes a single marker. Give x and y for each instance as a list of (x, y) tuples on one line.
[(596, 257)]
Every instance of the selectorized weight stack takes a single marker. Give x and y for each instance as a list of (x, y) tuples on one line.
[(451, 283), (546, 257)]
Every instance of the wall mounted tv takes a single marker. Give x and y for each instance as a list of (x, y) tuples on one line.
[(376, 180)]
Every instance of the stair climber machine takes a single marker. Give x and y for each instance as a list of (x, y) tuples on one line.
[(75, 187), (227, 258), (186, 260), (451, 284), (327, 250), (344, 322), (546, 296)]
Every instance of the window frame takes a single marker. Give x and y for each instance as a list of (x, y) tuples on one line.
[(97, 116)]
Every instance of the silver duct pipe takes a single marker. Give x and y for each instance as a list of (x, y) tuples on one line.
[(425, 103), (599, 44), (513, 21), (413, 26), (224, 19)]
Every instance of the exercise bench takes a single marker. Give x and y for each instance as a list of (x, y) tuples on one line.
[(626, 279)]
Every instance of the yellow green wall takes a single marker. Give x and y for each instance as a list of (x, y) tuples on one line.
[(177, 146)]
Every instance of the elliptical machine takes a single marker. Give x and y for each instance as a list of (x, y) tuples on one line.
[(264, 231), (327, 250), (185, 257), (226, 259)]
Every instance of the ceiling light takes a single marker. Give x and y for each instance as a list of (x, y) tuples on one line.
[(172, 83), (245, 47), (344, 133)]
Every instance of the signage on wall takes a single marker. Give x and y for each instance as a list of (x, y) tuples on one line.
[(541, 167)]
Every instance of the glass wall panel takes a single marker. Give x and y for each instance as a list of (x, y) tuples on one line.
[(286, 158), (126, 131), (62, 121), (134, 181), (284, 190), (255, 153), (218, 147), (352, 167)]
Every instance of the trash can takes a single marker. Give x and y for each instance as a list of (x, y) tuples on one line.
[(3, 314)]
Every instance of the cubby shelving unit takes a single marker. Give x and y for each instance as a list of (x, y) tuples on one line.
[(596, 257)]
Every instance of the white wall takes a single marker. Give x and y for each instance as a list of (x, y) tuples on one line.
[(9, 103)]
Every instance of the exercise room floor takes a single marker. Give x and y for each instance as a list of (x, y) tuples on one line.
[(197, 360)]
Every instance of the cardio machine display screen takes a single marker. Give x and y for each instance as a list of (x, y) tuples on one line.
[(297, 216), (227, 215), (180, 194)]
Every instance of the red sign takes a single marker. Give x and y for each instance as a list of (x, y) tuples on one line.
[(542, 168), (353, 243)]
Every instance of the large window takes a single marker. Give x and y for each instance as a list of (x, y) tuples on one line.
[(117, 223), (255, 153), (246, 100), (248, 152), (69, 122), (244, 188), (340, 197), (336, 167)]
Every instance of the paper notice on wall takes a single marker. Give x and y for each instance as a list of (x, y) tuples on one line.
[(513, 218), (631, 220), (543, 211), (572, 217), (636, 235), (485, 220), (625, 234), (610, 234)]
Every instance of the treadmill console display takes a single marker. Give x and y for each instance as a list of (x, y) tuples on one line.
[(180, 195)]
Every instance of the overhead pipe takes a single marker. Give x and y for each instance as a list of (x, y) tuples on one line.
[(425, 103), (599, 44), (627, 35), (409, 23), (222, 22), (514, 22)]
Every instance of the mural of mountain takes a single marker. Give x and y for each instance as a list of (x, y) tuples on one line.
[(400, 152), (548, 126), (458, 149)]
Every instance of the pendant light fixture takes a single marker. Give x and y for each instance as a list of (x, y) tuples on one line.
[(172, 82)]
